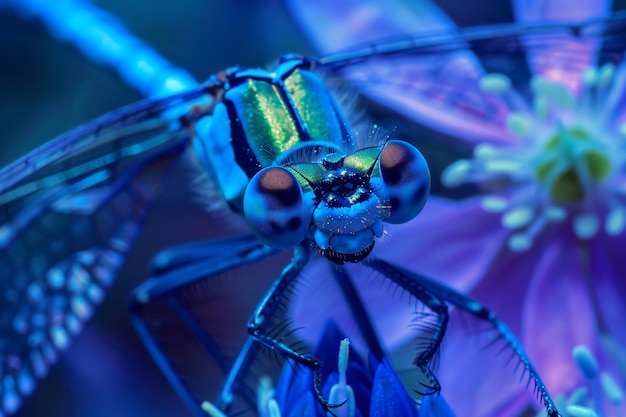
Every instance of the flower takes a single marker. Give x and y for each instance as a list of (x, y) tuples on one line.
[(360, 388), (541, 243), (601, 392)]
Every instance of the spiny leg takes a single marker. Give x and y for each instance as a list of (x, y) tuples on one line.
[(415, 284), (430, 346), (263, 329)]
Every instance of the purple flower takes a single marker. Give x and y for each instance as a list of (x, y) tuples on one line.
[(541, 244)]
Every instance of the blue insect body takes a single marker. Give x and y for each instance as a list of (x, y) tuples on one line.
[(283, 155), (280, 151)]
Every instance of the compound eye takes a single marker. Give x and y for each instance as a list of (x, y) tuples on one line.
[(274, 209), (406, 180)]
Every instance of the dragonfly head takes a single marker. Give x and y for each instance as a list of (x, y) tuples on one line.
[(339, 202)]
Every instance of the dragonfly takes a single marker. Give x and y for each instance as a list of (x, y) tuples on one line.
[(278, 151)]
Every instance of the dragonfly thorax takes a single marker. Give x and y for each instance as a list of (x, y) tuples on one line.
[(279, 148)]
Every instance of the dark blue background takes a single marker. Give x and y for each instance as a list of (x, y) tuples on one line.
[(47, 88)]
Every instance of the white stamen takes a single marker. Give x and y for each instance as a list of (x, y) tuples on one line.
[(274, 410), (566, 135), (586, 361), (540, 107), (228, 398), (517, 217), (556, 214), (495, 83), (590, 76), (519, 242), (493, 204), (580, 411), (342, 362), (264, 393), (456, 173), (212, 410), (586, 225), (519, 124), (342, 392), (579, 396), (611, 388), (506, 167), (615, 221), (605, 76), (558, 93), (484, 151)]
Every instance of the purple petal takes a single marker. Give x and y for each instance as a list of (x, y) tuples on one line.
[(475, 380), (609, 283), (547, 60), (441, 243), (558, 314), (389, 397)]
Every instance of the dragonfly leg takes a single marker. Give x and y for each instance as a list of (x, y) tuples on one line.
[(262, 325), (418, 284)]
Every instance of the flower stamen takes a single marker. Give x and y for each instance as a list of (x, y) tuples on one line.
[(567, 164), (342, 393)]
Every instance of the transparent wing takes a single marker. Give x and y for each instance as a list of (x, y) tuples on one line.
[(436, 78), (69, 214), (192, 315)]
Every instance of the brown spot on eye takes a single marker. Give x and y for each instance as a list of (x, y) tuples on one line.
[(281, 185), (393, 160)]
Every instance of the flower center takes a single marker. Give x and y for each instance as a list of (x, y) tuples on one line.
[(562, 159), (568, 163)]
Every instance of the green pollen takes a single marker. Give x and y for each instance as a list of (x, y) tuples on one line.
[(568, 187)]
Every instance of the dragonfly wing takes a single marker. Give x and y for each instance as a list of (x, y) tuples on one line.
[(69, 214), (438, 77), (431, 87)]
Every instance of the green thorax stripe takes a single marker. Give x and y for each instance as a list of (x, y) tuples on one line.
[(271, 116)]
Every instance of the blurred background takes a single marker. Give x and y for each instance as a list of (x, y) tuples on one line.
[(47, 88)]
